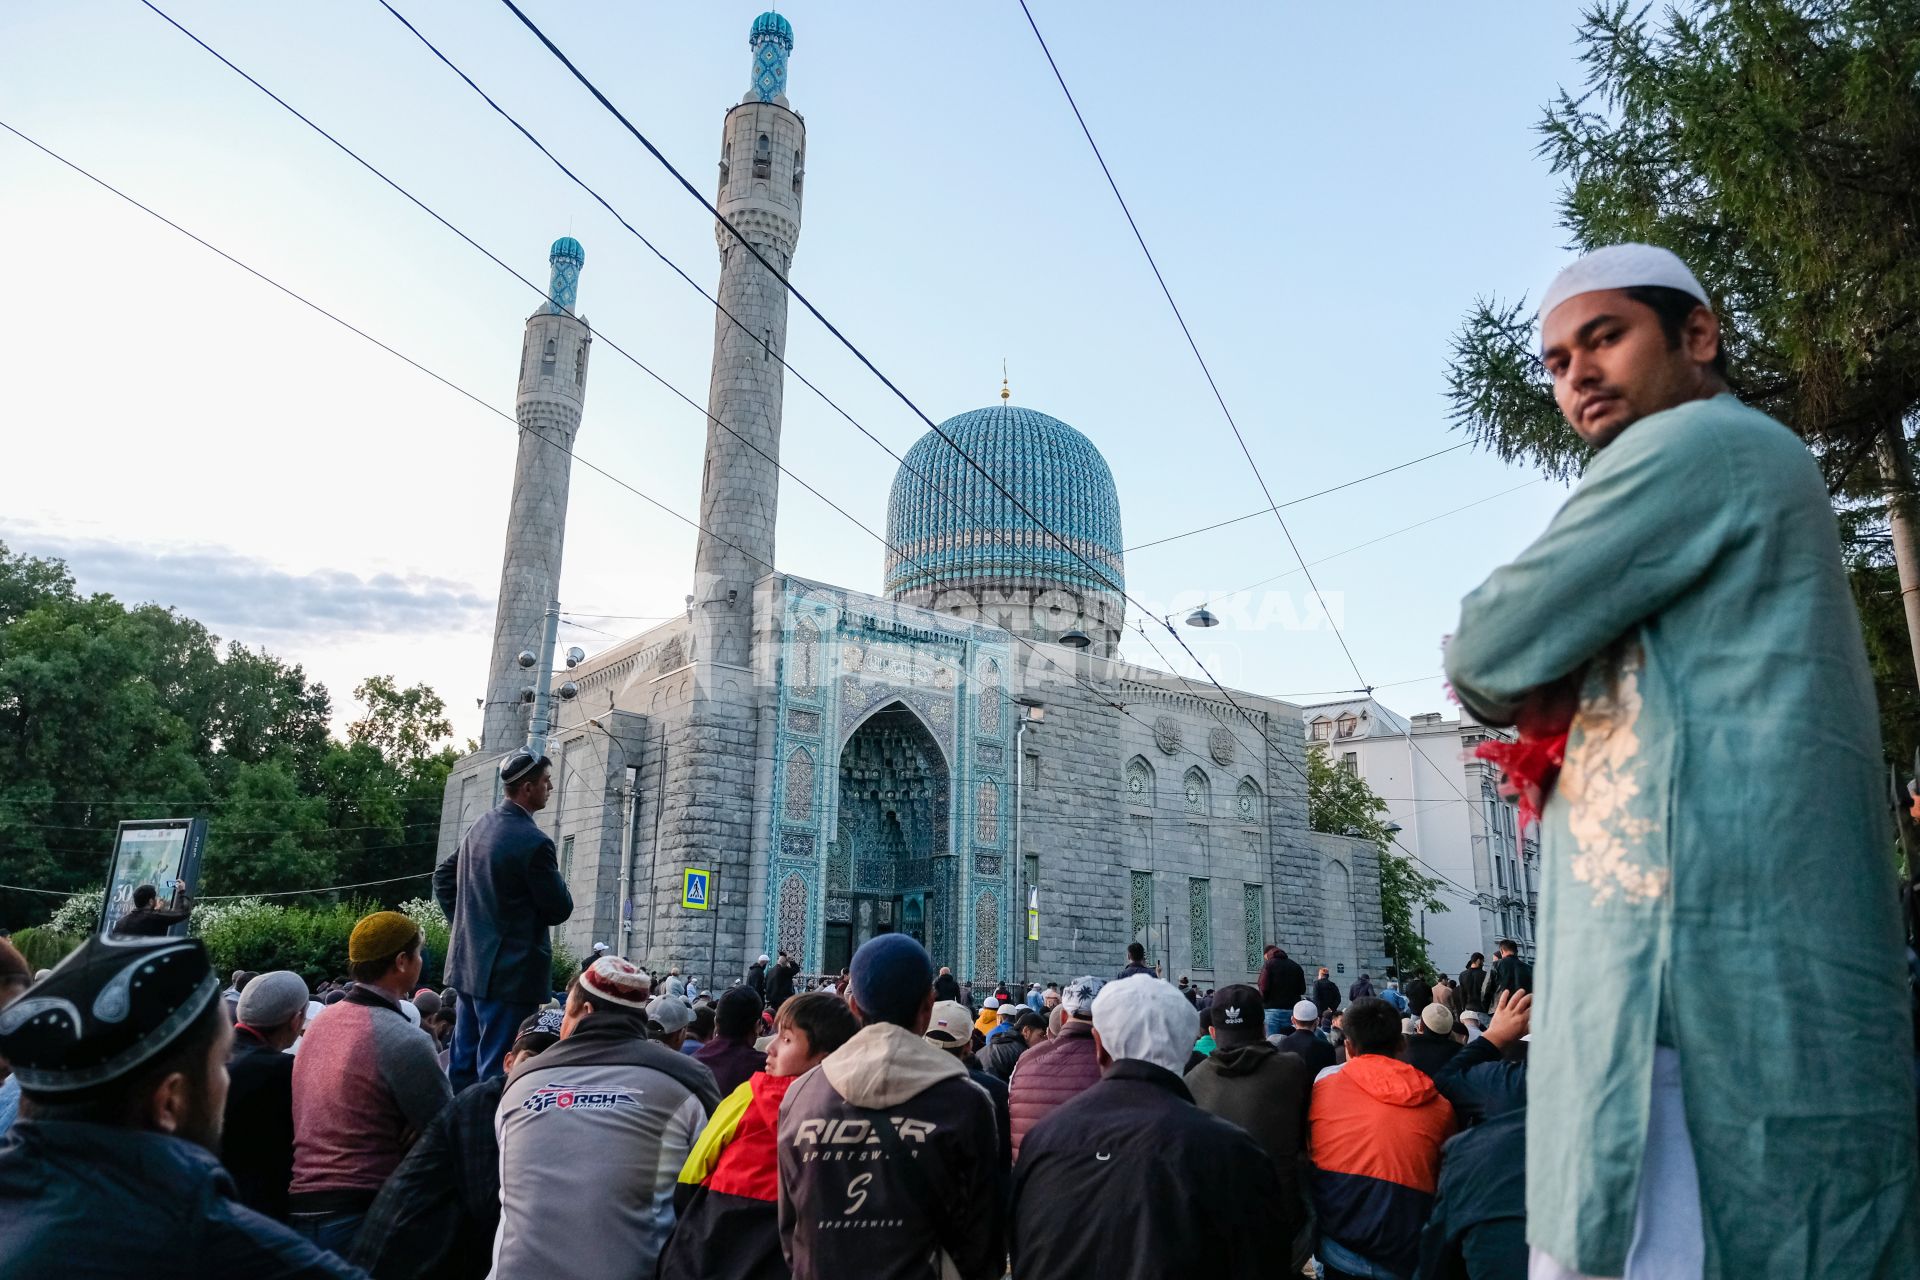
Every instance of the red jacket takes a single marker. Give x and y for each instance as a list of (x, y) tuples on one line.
[(1049, 1074), (1374, 1138)]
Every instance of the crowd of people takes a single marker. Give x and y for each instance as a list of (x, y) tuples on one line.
[(896, 1125)]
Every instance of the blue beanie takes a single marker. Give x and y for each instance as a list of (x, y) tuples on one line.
[(890, 977)]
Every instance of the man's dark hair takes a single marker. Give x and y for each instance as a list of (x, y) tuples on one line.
[(1373, 1026), (824, 1018), (737, 1013), (701, 1028), (1136, 953), (374, 970), (1474, 959), (1673, 306), (528, 778), (145, 895), (1508, 945), (1029, 1021), (123, 1103)]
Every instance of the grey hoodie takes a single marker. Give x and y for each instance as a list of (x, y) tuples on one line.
[(593, 1134), (845, 1209)]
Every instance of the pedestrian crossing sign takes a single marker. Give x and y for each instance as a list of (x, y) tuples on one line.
[(693, 889)]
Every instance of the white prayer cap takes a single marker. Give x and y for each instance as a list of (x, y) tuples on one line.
[(1622, 266), (1145, 1018)]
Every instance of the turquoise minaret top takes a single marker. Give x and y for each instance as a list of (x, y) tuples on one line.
[(771, 42), (566, 257)]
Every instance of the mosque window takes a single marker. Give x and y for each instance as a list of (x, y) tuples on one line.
[(1198, 791), (763, 157), (726, 171), (548, 360), (1247, 801), (987, 817), (799, 800), (1139, 781), (580, 365), (799, 169)]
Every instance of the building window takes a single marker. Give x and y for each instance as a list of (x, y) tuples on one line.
[(763, 158), (1142, 903), (1346, 725), (799, 170), (566, 859), (1350, 761), (1322, 729), (1200, 922), (580, 365), (1254, 910)]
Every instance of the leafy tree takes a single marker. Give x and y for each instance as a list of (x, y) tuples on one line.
[(1775, 145), (267, 837), (1342, 804), (404, 724)]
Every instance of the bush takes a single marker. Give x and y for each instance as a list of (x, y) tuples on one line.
[(42, 947), (249, 933), (426, 913), (565, 965), (79, 915)]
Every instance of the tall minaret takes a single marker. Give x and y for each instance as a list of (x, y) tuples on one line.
[(553, 390), (762, 157)]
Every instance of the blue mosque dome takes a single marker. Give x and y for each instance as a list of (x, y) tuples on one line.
[(568, 247), (974, 539)]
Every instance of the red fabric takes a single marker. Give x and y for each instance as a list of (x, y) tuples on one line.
[(1381, 1118), (750, 1164), (1052, 1072), (1528, 769)]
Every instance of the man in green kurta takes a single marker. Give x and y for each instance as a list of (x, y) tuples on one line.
[(1717, 857)]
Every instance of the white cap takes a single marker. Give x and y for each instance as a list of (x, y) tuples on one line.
[(1622, 266), (599, 946), (991, 1002), (1306, 1011), (1145, 1018)]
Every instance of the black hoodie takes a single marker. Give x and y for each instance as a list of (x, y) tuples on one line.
[(1265, 1092)]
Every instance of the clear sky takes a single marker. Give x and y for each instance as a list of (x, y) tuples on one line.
[(1327, 188)]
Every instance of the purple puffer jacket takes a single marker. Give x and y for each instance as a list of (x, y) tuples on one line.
[(1049, 1074)]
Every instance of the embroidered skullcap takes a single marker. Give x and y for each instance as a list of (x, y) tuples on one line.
[(546, 1022), (1306, 1013), (1438, 1019), (1146, 1019), (272, 999), (1237, 1014), (1622, 266), (1077, 999), (611, 980), (520, 764), (380, 936), (106, 1010)]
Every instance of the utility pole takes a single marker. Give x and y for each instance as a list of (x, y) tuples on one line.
[(542, 685)]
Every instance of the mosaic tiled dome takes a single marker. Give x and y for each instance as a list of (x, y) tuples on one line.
[(974, 538)]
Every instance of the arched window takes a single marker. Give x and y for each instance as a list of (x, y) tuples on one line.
[(726, 171), (799, 802), (548, 360), (1246, 801), (1139, 782), (799, 169), (1199, 792), (580, 365), (763, 157), (987, 816)]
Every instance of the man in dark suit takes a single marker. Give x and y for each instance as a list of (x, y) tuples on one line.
[(501, 890)]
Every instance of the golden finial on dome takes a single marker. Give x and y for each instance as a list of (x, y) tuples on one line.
[(1005, 394)]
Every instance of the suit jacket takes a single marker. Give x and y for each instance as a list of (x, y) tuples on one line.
[(501, 890)]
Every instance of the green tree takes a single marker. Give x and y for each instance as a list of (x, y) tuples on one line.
[(1775, 145), (267, 836), (1342, 804), (404, 724)]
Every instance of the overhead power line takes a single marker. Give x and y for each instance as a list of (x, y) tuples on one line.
[(1219, 398)]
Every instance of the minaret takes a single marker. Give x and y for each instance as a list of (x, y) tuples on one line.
[(762, 159), (553, 390)]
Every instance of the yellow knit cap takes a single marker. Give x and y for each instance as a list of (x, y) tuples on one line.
[(381, 936)]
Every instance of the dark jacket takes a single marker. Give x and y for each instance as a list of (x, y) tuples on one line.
[(436, 1216), (153, 922), (1265, 1092), (1481, 1084), (1510, 973), (1376, 1133), (732, 1062), (1001, 1053), (1419, 994), (1326, 995), (946, 987), (1133, 969), (1478, 1228), (1131, 1179), (1362, 988), (502, 891), (1283, 983), (757, 979), (780, 982), (1471, 991), (79, 1201), (879, 1218), (1430, 1052), (1316, 1053), (1049, 1074), (256, 1143)]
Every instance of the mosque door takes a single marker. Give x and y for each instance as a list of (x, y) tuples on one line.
[(893, 825)]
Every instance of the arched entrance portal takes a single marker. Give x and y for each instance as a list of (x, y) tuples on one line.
[(893, 872)]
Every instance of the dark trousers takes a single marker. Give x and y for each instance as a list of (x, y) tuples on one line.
[(333, 1231), (483, 1031)]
